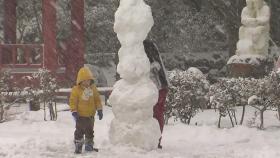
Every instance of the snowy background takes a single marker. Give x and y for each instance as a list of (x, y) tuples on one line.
[(29, 136), (207, 42)]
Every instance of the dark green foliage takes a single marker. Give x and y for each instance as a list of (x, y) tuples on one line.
[(187, 95)]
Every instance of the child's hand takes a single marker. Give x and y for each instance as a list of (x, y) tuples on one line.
[(100, 114), (75, 115)]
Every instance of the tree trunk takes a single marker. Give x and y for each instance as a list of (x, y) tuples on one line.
[(234, 116), (219, 123), (1, 113), (190, 115), (278, 110), (37, 17), (55, 111), (166, 120), (230, 118), (45, 117), (243, 113), (51, 110), (262, 119), (189, 120)]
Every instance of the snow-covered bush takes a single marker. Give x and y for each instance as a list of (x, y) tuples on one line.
[(47, 84), (5, 80), (172, 98), (4, 88), (1, 109), (48, 87), (265, 96), (262, 94), (221, 98), (186, 95), (228, 93), (33, 97), (275, 90), (43, 89), (7, 93)]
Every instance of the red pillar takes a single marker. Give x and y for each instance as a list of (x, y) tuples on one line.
[(50, 60), (10, 22), (76, 51)]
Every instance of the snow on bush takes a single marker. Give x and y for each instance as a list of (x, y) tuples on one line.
[(226, 94), (48, 87), (42, 88), (262, 94), (48, 84), (265, 96), (5, 88), (187, 94)]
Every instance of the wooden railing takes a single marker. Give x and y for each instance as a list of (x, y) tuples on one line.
[(21, 55)]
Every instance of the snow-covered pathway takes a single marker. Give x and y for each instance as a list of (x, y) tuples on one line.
[(28, 136)]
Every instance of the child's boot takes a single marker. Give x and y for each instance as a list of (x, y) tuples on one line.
[(89, 145), (78, 146)]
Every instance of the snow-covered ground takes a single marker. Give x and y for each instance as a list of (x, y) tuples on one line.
[(29, 136)]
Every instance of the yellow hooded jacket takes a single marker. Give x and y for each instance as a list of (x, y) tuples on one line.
[(85, 108)]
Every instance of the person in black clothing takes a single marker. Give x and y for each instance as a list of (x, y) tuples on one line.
[(159, 77)]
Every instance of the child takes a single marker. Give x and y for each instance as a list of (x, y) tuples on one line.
[(84, 102), (158, 76)]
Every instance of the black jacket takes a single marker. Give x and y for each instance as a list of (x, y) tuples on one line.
[(153, 55)]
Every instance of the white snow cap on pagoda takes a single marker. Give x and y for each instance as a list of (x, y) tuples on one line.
[(134, 95)]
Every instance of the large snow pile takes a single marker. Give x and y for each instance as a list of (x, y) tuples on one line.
[(134, 96)]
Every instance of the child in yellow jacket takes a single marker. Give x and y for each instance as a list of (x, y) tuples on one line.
[(84, 102)]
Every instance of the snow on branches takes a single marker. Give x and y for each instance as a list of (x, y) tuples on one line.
[(265, 96), (186, 95), (5, 87), (262, 94), (42, 86), (47, 84), (44, 92), (8, 93), (225, 95)]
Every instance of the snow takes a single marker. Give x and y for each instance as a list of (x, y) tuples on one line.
[(134, 95), (29, 136), (252, 99), (195, 71), (133, 21), (247, 59)]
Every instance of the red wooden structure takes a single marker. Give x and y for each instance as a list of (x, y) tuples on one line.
[(24, 59)]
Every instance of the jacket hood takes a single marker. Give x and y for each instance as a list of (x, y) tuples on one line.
[(84, 74)]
